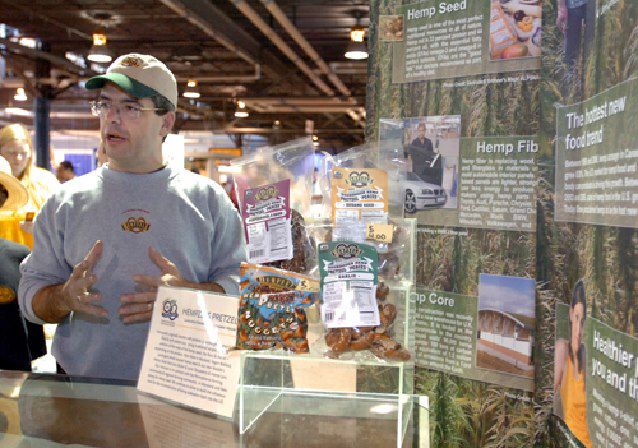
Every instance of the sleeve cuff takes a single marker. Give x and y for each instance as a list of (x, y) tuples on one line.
[(26, 304), (231, 286)]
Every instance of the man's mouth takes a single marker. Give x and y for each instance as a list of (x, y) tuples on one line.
[(113, 137)]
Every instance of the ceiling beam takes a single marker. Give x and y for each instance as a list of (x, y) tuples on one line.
[(274, 37), (251, 130), (39, 54), (217, 25), (210, 19), (32, 13), (292, 30)]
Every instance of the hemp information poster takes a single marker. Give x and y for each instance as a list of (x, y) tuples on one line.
[(488, 338), (597, 158), (450, 39), (598, 401), (487, 182)]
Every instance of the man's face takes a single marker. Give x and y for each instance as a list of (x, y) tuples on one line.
[(132, 144), (63, 174), (17, 153), (421, 131)]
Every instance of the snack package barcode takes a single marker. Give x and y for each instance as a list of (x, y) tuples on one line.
[(256, 253)]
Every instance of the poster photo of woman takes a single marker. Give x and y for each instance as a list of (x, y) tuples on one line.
[(570, 363)]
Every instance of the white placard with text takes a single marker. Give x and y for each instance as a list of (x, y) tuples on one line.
[(187, 358)]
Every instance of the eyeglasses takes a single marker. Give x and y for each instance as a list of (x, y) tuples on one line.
[(101, 108)]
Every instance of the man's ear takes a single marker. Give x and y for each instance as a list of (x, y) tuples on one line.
[(168, 120)]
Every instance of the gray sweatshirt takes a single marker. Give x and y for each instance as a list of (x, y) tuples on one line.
[(187, 218)]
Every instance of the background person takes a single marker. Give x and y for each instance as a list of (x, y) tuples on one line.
[(20, 341), (65, 171), (16, 147), (106, 241)]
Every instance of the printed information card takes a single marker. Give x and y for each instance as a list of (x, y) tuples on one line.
[(187, 358)]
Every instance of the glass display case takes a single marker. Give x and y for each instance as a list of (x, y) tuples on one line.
[(318, 386), (56, 410), (357, 382)]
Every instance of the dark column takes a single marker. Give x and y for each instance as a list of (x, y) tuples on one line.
[(42, 124), (41, 110)]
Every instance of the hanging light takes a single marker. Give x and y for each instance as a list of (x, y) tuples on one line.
[(99, 53), (357, 34), (356, 47), (20, 95), (241, 111), (191, 89)]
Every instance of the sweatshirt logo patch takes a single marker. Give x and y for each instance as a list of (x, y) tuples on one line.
[(136, 225)]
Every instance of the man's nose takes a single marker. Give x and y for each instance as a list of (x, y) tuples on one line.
[(113, 114)]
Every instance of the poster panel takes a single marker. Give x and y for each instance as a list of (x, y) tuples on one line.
[(597, 158), (445, 180), (450, 39), (498, 183), (488, 338), (596, 378)]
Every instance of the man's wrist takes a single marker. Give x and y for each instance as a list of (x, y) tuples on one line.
[(49, 304)]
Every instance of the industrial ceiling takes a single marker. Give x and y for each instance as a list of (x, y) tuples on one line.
[(283, 58)]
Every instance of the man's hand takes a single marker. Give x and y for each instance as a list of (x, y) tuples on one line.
[(75, 291), (53, 303), (138, 307)]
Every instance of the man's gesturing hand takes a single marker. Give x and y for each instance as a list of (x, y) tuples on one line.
[(138, 307), (75, 292)]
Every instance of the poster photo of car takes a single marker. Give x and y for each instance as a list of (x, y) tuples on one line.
[(431, 153)]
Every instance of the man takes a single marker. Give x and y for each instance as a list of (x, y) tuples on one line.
[(425, 162), (65, 171), (107, 240), (20, 342)]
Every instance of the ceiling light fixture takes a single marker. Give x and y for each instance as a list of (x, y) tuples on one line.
[(20, 95), (356, 47), (241, 111), (99, 53), (357, 34), (191, 89)]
